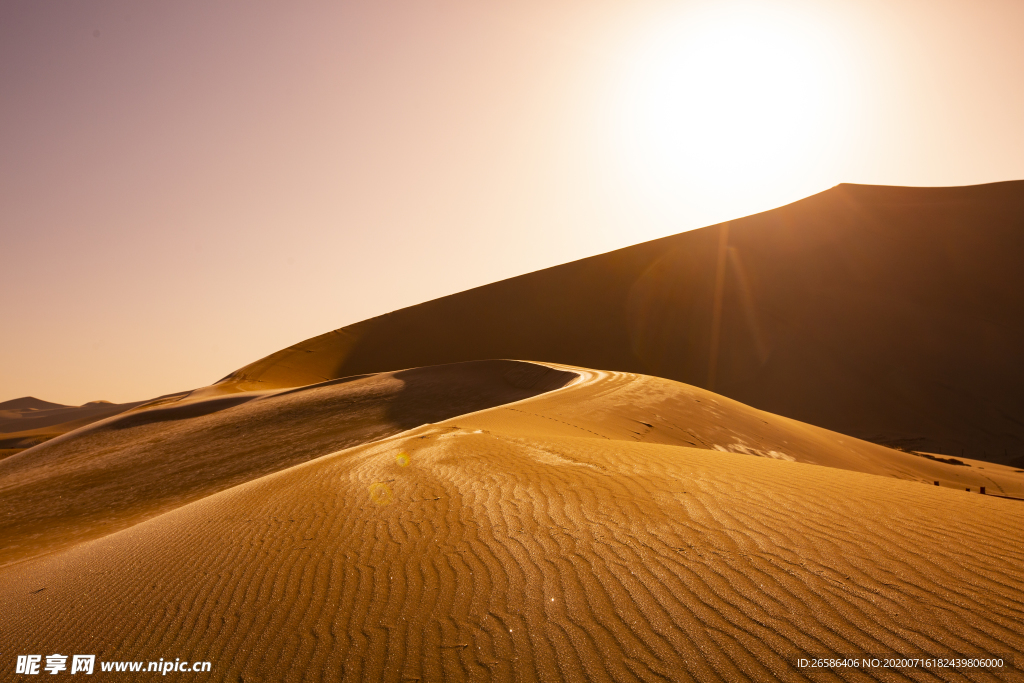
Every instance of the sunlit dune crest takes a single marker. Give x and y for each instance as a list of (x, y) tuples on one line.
[(891, 314)]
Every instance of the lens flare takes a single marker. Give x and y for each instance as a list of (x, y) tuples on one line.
[(402, 459), (380, 493)]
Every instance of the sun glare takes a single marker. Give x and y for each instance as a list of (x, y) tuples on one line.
[(736, 101)]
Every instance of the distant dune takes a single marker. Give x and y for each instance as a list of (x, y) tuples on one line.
[(592, 528), (28, 421), (892, 314)]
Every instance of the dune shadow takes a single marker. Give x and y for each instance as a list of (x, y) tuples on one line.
[(441, 392), (190, 410)]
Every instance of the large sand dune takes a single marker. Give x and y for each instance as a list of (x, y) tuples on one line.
[(892, 314), (592, 529)]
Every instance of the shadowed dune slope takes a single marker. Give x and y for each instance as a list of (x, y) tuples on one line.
[(574, 535), (131, 467), (892, 314)]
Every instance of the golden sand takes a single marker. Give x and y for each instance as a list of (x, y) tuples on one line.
[(619, 528)]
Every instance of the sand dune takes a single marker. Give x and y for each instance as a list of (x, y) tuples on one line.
[(596, 531), (29, 413), (891, 314), (141, 463)]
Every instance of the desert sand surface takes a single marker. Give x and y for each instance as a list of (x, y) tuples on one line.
[(569, 524), (894, 314)]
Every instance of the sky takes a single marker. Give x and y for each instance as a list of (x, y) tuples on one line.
[(188, 186)]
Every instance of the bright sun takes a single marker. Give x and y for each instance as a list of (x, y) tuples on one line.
[(738, 100)]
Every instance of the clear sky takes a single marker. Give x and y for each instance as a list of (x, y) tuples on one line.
[(188, 186)]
